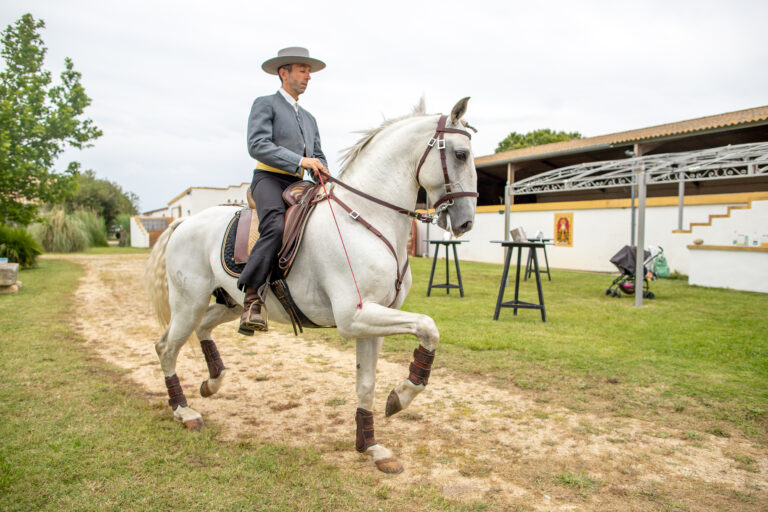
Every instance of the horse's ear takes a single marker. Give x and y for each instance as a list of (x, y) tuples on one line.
[(420, 107), (459, 110)]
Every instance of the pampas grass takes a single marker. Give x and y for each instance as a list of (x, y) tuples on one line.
[(95, 227), (61, 232)]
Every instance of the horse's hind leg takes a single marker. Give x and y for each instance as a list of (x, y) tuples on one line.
[(185, 315), (365, 442), (215, 314)]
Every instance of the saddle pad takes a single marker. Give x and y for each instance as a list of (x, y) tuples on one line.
[(228, 248), (247, 234), (243, 230)]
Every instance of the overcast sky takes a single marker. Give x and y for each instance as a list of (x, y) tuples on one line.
[(172, 82)]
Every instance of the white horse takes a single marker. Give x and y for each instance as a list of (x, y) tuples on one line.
[(390, 162)]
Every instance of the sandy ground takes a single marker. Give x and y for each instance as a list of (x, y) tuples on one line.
[(462, 435)]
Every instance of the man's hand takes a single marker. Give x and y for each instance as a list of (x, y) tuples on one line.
[(314, 164)]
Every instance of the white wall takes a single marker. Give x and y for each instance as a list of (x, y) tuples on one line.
[(197, 199), (738, 269), (139, 235), (162, 212), (599, 233)]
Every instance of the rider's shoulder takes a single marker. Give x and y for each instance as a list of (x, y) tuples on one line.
[(269, 99)]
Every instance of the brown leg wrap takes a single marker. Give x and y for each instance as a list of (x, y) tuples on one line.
[(421, 366), (175, 392), (212, 357), (365, 438)]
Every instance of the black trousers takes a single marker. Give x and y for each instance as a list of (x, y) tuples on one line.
[(267, 189)]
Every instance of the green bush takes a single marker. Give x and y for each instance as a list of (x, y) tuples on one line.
[(123, 222), (18, 246), (60, 232), (95, 226)]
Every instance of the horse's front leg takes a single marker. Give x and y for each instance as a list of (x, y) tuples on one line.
[(376, 320), (367, 355)]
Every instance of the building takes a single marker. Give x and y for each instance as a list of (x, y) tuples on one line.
[(704, 189), (497, 171), (707, 180), (147, 227)]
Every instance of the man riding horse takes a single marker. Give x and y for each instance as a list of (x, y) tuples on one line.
[(284, 139)]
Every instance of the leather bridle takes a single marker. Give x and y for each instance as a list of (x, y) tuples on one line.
[(439, 139), (440, 205)]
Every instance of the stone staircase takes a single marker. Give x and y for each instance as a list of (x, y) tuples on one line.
[(712, 216)]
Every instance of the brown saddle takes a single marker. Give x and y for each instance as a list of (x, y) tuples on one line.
[(243, 231), (301, 198)]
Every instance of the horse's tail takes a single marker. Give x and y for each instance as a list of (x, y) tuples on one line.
[(155, 278)]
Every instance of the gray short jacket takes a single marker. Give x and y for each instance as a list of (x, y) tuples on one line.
[(279, 137)]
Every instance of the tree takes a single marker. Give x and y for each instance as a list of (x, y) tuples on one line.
[(38, 121), (535, 138), (104, 198)]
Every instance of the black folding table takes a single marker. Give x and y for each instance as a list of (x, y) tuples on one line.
[(528, 269), (516, 304), (447, 285)]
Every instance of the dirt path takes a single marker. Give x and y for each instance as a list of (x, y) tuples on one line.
[(462, 436)]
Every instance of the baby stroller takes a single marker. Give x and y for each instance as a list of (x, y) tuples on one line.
[(625, 262)]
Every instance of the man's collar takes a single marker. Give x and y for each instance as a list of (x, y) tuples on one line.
[(292, 102)]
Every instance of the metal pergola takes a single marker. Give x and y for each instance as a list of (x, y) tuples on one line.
[(637, 172)]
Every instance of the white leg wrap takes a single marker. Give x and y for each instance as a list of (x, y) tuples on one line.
[(407, 391), (185, 414), (215, 384), (378, 452)]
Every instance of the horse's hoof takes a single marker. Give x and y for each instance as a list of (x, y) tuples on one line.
[(194, 425), (204, 391), (390, 465), (393, 405)]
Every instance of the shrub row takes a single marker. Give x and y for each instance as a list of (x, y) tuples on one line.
[(60, 231)]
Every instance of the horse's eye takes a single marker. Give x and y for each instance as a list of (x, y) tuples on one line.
[(461, 155)]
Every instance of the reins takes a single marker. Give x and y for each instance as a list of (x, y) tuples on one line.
[(429, 218), (440, 205), (322, 182)]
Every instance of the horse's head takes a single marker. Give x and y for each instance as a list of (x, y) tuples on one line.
[(448, 174)]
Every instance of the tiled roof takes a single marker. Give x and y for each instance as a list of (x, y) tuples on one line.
[(739, 117)]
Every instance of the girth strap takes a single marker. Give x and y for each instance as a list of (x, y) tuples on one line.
[(283, 294)]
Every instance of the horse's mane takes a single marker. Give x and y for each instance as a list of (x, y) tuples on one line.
[(349, 154)]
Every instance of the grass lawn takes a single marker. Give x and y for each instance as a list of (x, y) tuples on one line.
[(118, 250), (76, 435), (690, 357)]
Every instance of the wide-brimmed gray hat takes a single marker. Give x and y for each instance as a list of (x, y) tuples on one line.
[(291, 55)]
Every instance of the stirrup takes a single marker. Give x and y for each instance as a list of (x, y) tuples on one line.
[(248, 328)]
